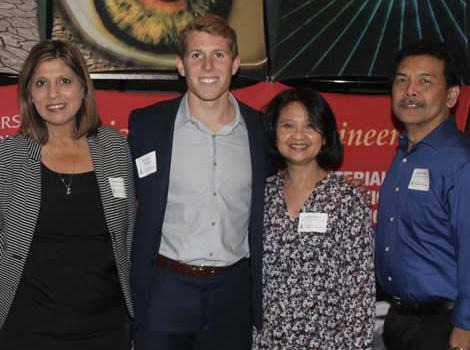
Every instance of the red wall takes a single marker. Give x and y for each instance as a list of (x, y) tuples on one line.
[(364, 122)]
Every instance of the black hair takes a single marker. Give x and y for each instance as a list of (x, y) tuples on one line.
[(321, 118), (435, 49)]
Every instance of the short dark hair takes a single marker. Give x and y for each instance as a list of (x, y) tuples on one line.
[(32, 124), (211, 24), (435, 49), (320, 116)]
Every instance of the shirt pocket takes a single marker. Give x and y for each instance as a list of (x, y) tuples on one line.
[(423, 208)]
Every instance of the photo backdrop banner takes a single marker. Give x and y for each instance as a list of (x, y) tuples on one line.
[(365, 123)]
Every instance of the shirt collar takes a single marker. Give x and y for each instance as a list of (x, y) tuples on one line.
[(436, 138), (184, 116)]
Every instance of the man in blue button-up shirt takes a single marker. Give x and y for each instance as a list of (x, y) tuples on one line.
[(423, 232)]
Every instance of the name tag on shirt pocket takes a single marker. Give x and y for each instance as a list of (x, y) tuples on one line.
[(146, 164), (117, 187), (419, 180), (313, 222)]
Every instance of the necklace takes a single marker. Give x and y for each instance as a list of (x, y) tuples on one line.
[(68, 186), (67, 178)]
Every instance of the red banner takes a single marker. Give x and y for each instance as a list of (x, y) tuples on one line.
[(364, 121), (9, 118)]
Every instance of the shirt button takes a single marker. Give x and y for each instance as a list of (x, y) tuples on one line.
[(215, 163), (213, 223), (214, 194), (389, 278), (387, 249), (397, 189), (392, 219), (404, 160), (211, 254)]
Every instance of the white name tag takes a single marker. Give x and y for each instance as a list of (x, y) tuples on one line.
[(313, 222), (419, 180), (117, 187), (147, 164)]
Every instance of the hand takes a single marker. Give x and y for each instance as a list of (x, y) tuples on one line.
[(460, 337)]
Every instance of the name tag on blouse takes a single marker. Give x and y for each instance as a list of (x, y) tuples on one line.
[(313, 222), (419, 180)]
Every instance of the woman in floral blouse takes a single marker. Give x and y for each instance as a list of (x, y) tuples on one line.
[(318, 274)]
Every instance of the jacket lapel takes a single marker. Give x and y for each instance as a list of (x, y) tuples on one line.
[(255, 139), (164, 147), (103, 173)]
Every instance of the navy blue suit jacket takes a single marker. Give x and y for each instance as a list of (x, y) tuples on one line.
[(151, 129)]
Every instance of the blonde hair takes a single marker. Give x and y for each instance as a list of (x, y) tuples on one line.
[(211, 24)]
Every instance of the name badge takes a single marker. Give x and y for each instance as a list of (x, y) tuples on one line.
[(313, 222), (419, 180), (117, 187), (146, 164)]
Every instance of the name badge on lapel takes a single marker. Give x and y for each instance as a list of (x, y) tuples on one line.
[(117, 187), (419, 180), (146, 164), (313, 222)]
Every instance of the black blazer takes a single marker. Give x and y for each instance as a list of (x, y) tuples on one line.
[(151, 129)]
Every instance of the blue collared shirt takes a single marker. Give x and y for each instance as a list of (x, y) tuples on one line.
[(423, 231)]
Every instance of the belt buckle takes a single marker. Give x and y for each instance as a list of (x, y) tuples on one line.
[(205, 270), (405, 307)]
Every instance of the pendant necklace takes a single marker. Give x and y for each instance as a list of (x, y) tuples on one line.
[(68, 186)]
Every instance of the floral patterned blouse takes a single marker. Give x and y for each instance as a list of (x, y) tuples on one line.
[(318, 288)]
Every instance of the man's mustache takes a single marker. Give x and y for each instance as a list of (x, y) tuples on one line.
[(406, 102)]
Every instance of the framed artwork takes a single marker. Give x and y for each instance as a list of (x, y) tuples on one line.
[(351, 40), (19, 32), (279, 40), (137, 38)]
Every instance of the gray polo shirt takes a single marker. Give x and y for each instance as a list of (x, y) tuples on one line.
[(209, 197)]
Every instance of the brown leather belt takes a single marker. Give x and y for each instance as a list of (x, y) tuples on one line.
[(189, 270)]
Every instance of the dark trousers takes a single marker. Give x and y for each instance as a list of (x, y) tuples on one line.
[(416, 332), (198, 313)]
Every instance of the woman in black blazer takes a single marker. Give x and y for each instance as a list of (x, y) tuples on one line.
[(67, 211)]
